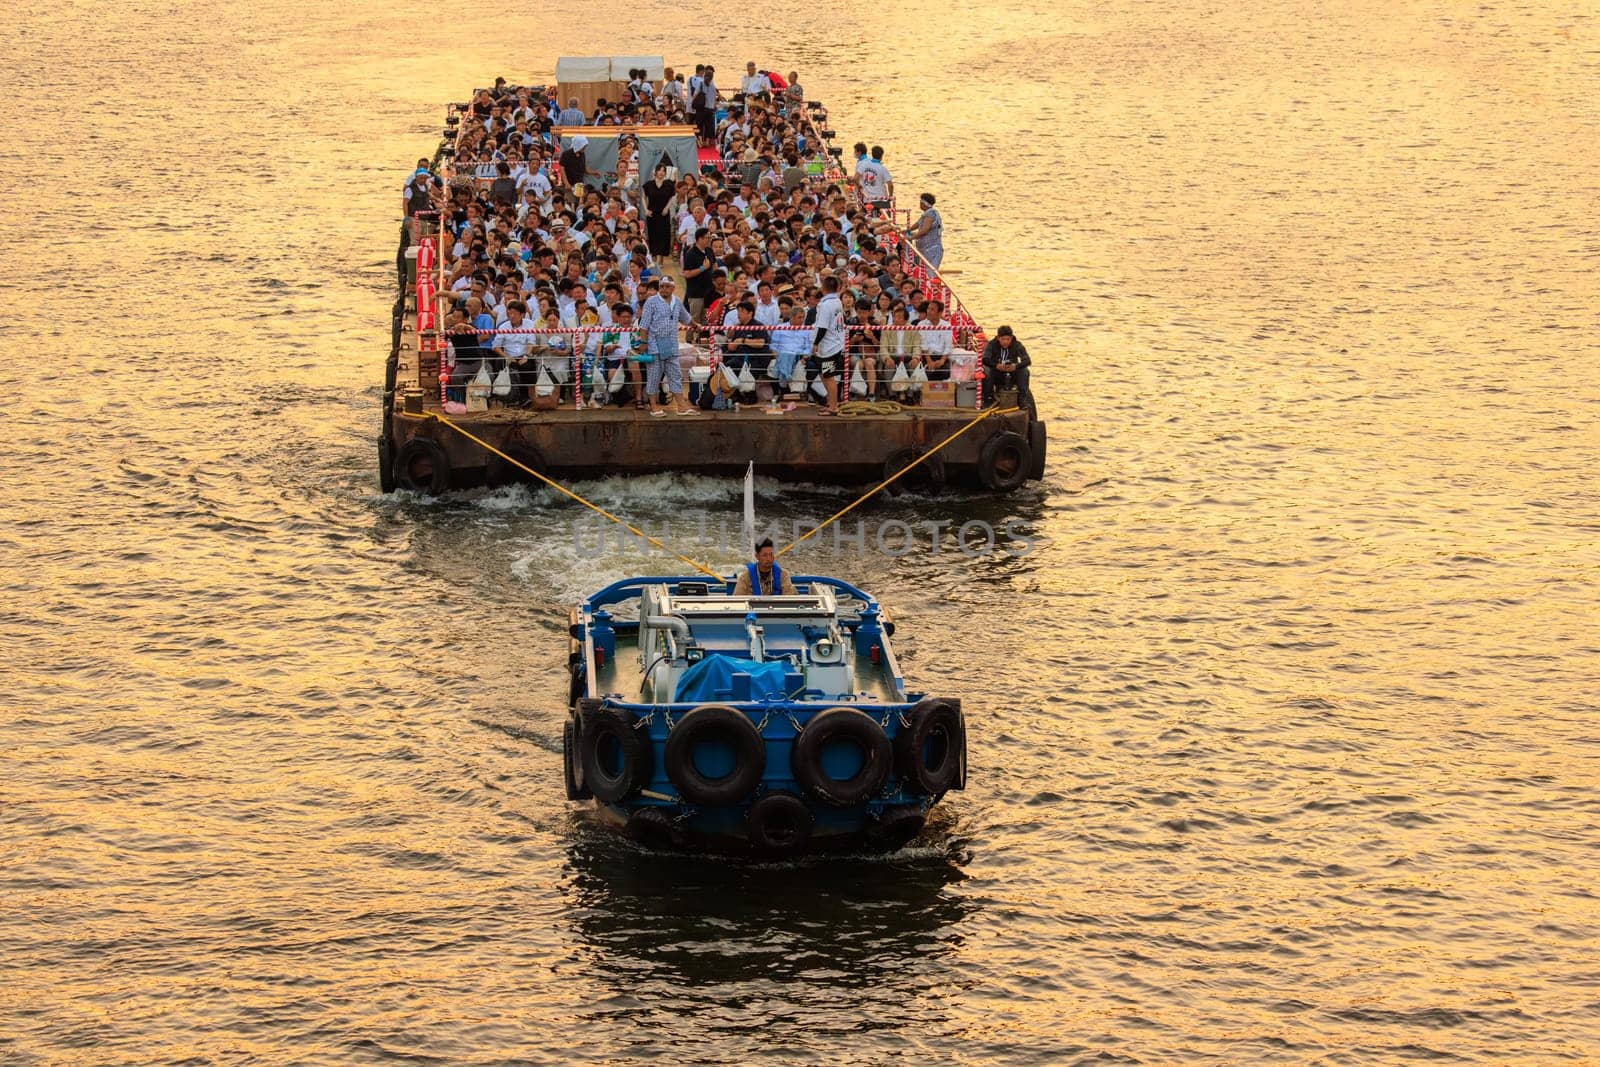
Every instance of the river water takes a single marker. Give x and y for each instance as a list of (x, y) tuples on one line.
[(1283, 727)]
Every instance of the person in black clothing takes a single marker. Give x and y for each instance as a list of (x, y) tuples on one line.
[(747, 344), (1005, 366), (503, 192), (698, 265), (706, 116), (574, 164), (658, 193)]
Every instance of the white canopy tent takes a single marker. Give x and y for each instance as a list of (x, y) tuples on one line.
[(590, 79)]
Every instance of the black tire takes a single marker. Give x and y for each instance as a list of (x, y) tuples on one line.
[(926, 477), (715, 722), (422, 467), (931, 752), (575, 683), (780, 824), (1038, 443), (829, 727), (616, 757), (571, 771), (499, 472), (386, 482), (1004, 462), (895, 828), (654, 828)]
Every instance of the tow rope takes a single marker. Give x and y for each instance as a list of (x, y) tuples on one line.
[(701, 567), (870, 493)]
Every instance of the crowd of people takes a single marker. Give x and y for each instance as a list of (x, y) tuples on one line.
[(789, 266)]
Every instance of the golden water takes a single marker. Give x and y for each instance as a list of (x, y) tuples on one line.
[(1284, 739)]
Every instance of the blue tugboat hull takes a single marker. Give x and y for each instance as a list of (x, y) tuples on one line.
[(799, 735)]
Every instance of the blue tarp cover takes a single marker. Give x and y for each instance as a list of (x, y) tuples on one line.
[(703, 680)]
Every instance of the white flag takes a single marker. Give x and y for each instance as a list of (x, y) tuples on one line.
[(748, 532)]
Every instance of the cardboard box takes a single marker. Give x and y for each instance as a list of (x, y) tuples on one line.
[(939, 395)]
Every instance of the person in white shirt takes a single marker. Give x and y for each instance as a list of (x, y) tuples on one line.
[(767, 312), (825, 359), (888, 179), (515, 348), (534, 179), (872, 180), (754, 83), (938, 342)]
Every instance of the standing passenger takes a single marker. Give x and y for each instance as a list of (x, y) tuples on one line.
[(659, 320), (928, 233)]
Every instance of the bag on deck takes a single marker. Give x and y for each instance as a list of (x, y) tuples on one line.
[(544, 387), (617, 380), (858, 386), (797, 380), (502, 383), (919, 378), (900, 381), (747, 381), (730, 377)]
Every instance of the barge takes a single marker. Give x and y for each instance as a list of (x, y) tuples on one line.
[(559, 434)]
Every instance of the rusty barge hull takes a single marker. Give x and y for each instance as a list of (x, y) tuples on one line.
[(798, 446)]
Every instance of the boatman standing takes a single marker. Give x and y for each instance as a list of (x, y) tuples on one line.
[(763, 577)]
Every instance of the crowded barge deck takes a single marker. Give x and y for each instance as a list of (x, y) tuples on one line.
[(565, 421)]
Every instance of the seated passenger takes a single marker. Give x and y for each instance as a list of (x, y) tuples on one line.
[(791, 346), (748, 344), (1005, 366), (938, 342), (899, 347), (763, 577)]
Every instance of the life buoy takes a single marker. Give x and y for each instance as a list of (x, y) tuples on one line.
[(500, 472), (704, 742), (1004, 461), (925, 477), (780, 823), (894, 828), (422, 466), (571, 772), (654, 828), (825, 735), (931, 751), (616, 757)]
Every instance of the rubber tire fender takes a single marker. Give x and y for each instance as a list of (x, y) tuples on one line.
[(841, 724), (1038, 443), (576, 682), (894, 828), (654, 828), (1004, 461), (571, 769), (422, 448), (597, 726), (386, 482), (499, 472), (931, 722), (779, 824), (926, 477), (723, 723)]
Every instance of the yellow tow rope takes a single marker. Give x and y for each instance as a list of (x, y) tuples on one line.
[(870, 493), (701, 567)]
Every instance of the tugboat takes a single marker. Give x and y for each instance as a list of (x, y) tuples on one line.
[(775, 725)]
